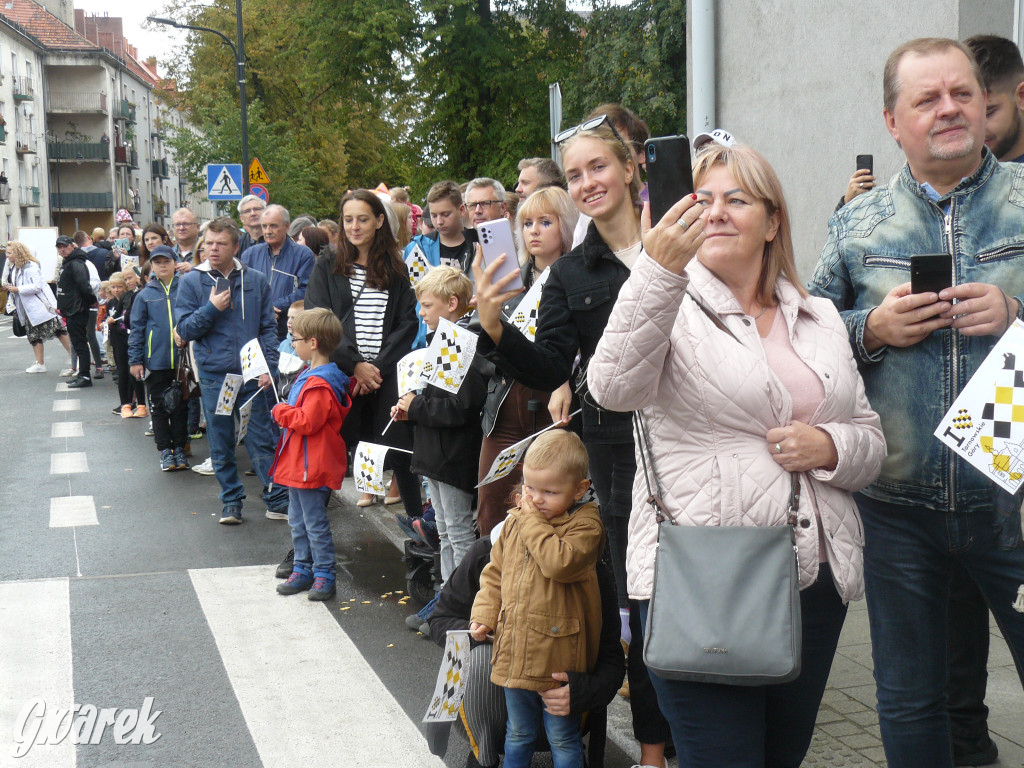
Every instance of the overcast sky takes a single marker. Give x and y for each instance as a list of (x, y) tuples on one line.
[(157, 43)]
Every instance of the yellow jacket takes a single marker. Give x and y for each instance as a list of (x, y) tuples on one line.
[(540, 594)]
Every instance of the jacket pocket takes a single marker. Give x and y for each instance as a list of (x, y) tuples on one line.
[(886, 261), (552, 644), (588, 297), (1001, 253)]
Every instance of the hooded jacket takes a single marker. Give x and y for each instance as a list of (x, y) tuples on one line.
[(220, 335), (311, 453), (151, 342), (74, 291)]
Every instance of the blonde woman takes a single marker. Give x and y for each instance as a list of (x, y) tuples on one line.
[(34, 303)]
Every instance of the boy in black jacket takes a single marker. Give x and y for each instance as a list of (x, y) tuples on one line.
[(446, 442)]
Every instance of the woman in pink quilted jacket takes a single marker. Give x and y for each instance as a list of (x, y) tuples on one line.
[(729, 420)]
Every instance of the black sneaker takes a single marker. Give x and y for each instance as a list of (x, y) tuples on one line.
[(180, 462), (286, 567), (231, 515), (323, 588), (167, 460), (979, 751), (116, 410), (297, 582), (80, 382)]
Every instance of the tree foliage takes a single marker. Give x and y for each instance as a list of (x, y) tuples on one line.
[(411, 91)]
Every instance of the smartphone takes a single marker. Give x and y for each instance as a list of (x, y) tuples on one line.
[(496, 239), (931, 273), (669, 174), (121, 243), (866, 162), (222, 285)]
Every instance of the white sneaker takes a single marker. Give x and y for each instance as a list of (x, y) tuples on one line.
[(36, 368), (206, 468), (69, 372)]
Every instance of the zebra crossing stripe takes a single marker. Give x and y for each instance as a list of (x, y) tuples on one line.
[(251, 624)]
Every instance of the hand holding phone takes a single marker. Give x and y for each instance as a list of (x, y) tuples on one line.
[(931, 273)]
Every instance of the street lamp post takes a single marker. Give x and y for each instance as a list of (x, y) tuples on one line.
[(239, 53)]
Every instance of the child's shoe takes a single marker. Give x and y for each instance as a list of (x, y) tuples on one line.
[(323, 588), (180, 462), (142, 412), (298, 582), (167, 460), (126, 411), (428, 532), (231, 515)]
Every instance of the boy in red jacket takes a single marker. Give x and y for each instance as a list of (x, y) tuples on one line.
[(311, 458)]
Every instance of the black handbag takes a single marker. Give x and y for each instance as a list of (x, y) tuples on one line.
[(17, 326)]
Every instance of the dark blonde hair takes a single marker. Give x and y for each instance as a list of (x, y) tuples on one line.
[(607, 134), (320, 324), (445, 282), (561, 450), (757, 178)]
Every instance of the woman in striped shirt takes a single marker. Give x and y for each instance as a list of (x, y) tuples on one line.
[(366, 285)]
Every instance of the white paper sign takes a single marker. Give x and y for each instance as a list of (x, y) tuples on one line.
[(449, 356), (128, 262), (417, 265), (451, 679), (986, 423), (524, 317), (254, 364), (244, 413), (228, 393), (368, 469), (410, 371)]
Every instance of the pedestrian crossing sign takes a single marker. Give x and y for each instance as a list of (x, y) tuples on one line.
[(224, 181)]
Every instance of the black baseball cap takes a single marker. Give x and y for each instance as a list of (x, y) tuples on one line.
[(65, 240)]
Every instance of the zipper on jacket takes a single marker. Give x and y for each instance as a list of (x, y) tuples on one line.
[(170, 316), (956, 354), (519, 603)]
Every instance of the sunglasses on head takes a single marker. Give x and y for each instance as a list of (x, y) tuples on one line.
[(588, 125)]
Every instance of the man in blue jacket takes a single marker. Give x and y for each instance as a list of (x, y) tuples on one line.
[(285, 263), (221, 322)]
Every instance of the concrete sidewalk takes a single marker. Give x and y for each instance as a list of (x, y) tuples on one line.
[(847, 732)]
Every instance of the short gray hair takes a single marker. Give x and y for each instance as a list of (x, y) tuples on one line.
[(285, 216), (483, 181), (250, 199)]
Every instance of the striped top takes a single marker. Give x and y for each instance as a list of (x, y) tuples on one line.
[(368, 314)]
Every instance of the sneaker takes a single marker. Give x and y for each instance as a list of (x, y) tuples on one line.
[(180, 462), (36, 368), (66, 372), (323, 588), (99, 373), (80, 382), (428, 532), (231, 515), (142, 413), (405, 523), (979, 751), (206, 468), (125, 411), (286, 566), (149, 431), (167, 460), (297, 582), (197, 435), (277, 514)]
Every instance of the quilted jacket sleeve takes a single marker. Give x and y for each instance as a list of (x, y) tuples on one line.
[(626, 368)]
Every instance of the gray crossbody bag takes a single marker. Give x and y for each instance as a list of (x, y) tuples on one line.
[(725, 606)]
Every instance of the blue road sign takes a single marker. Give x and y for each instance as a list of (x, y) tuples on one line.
[(224, 181)]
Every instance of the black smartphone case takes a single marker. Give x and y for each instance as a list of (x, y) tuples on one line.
[(669, 174)]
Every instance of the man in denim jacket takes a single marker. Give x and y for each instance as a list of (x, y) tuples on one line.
[(928, 509)]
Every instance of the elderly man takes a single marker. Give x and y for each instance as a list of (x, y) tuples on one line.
[(485, 201), (286, 264), (929, 512), (250, 208), (186, 235)]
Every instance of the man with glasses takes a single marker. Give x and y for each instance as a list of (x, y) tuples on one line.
[(485, 200), (250, 209), (186, 234)]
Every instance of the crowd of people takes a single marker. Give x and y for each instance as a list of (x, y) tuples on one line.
[(827, 391)]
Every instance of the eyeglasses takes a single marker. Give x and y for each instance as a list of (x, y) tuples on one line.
[(589, 125), (483, 204), (299, 338), (183, 224)]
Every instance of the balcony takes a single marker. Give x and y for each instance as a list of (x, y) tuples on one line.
[(29, 197), (124, 155), (82, 201), (3, 134), (79, 151), (159, 206), (26, 145), (5, 192), (75, 102), (24, 89), (160, 170), (125, 112)]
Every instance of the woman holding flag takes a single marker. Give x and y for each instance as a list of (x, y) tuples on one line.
[(367, 286)]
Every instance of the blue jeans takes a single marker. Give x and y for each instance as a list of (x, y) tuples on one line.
[(311, 533), (525, 716), (763, 726), (259, 443), (908, 556)]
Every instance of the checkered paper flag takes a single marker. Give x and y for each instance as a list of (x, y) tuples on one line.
[(244, 414), (449, 356), (506, 461), (228, 394), (451, 679), (524, 317), (368, 470), (417, 265), (254, 364), (410, 371)]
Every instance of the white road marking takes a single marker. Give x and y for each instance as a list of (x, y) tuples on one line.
[(66, 429), (35, 634), (66, 405), (68, 463), (251, 624), (70, 511), (62, 387)]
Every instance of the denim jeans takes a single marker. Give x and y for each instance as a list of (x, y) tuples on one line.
[(908, 556), (525, 716), (311, 533), (259, 443), (762, 726), (453, 513)]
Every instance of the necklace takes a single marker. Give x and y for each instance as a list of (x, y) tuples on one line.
[(759, 314)]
